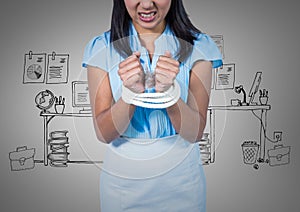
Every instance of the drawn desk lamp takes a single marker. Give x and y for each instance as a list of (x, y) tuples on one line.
[(254, 88), (239, 89)]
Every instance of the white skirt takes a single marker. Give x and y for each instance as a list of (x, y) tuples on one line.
[(141, 175)]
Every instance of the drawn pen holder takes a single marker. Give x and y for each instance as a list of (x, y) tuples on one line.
[(59, 108), (263, 100), (59, 105), (263, 96)]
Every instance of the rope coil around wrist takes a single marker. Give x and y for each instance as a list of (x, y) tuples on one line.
[(152, 100)]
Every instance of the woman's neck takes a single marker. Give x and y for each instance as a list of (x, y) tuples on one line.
[(147, 41), (148, 36)]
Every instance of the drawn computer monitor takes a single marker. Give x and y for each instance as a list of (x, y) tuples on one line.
[(254, 88), (80, 96)]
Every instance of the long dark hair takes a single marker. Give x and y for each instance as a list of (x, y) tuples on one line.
[(177, 19)]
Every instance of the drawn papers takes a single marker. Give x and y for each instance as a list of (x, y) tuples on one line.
[(57, 68), (34, 68), (225, 77), (218, 39), (37, 67)]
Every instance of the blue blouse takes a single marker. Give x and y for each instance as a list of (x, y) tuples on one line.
[(149, 123)]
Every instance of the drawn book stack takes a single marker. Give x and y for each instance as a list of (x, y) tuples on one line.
[(58, 142), (205, 148)]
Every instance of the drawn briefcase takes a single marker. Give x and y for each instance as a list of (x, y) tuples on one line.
[(22, 159), (279, 155)]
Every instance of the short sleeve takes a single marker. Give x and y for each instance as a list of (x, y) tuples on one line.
[(205, 49), (95, 52)]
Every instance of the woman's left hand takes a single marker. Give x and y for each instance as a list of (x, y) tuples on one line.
[(165, 72)]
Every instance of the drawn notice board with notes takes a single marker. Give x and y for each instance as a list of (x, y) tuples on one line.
[(40, 68)]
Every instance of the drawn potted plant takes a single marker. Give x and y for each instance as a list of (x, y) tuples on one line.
[(59, 104), (263, 96)]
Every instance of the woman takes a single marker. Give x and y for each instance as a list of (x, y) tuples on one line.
[(152, 162)]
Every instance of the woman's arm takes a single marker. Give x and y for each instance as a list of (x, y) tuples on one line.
[(189, 119), (110, 118)]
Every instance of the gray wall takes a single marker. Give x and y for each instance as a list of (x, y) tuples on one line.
[(258, 36)]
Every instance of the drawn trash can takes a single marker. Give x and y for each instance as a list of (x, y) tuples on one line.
[(279, 155), (22, 158), (250, 151)]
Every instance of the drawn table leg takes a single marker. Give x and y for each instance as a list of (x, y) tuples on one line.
[(262, 139), (45, 141), (212, 116)]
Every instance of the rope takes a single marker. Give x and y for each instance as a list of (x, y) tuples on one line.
[(152, 100)]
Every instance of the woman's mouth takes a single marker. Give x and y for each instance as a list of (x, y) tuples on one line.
[(147, 17)]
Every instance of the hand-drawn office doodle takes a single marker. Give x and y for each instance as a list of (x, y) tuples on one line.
[(59, 104), (22, 159), (263, 96), (276, 152), (34, 67), (80, 96), (205, 149), (254, 88), (59, 144), (56, 143), (252, 151), (225, 77), (44, 100), (57, 68), (38, 66), (220, 43), (279, 155)]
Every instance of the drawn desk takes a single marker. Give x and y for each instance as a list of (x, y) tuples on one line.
[(47, 117), (263, 125)]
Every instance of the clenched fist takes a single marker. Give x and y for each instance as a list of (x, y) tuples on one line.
[(165, 72), (132, 74)]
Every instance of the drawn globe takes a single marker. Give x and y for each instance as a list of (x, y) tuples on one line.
[(44, 100)]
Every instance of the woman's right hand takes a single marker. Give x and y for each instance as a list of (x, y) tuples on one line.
[(132, 74)]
